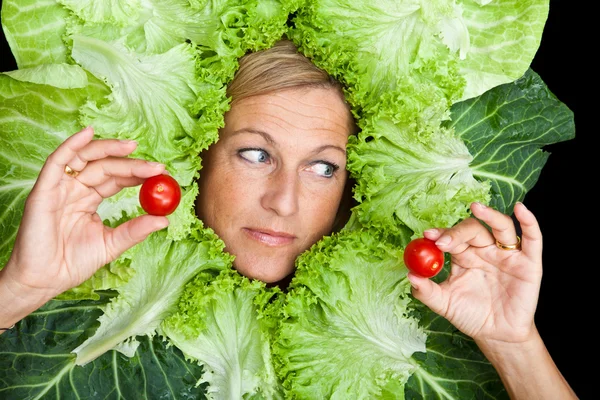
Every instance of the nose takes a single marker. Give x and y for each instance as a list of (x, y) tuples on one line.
[(281, 194)]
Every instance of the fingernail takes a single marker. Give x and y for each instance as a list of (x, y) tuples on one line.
[(86, 130), (480, 205), (155, 164), (414, 285), (430, 231), (128, 141), (162, 224), (522, 205), (443, 241)]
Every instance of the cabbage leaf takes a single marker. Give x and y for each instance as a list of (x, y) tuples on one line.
[(36, 360)]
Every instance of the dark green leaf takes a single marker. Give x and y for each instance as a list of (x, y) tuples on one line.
[(36, 361), (505, 130)]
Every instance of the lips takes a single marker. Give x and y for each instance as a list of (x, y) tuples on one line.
[(269, 237)]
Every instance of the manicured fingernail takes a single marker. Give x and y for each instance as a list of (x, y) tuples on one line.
[(443, 241), (155, 164)]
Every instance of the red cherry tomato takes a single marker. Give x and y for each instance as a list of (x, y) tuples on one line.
[(422, 257), (160, 195)]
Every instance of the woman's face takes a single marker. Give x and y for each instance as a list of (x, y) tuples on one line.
[(271, 186)]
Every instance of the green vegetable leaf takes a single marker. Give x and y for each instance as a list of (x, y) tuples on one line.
[(346, 329), (150, 102), (34, 31), (503, 38), (411, 179), (145, 301), (222, 324), (452, 50), (505, 130), (36, 360), (383, 49), (63, 76)]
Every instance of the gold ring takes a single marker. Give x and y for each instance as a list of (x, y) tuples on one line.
[(71, 172), (516, 246)]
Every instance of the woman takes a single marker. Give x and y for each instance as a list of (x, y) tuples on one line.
[(271, 187)]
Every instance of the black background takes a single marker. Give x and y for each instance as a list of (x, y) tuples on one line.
[(564, 210)]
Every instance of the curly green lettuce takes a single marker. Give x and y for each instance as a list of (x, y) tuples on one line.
[(224, 323), (346, 327)]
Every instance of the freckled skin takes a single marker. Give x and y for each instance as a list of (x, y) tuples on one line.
[(278, 187)]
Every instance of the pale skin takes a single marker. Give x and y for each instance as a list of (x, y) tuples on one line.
[(292, 196)]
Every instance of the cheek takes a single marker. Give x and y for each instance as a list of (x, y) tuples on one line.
[(322, 209), (221, 197)]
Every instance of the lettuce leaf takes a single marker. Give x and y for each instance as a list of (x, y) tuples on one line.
[(346, 328), (42, 44), (162, 269), (149, 102), (491, 150), (223, 323), (406, 179), (450, 50)]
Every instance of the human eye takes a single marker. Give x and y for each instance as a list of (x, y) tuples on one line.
[(324, 168), (255, 156)]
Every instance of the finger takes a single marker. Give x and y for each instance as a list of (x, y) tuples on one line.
[(469, 232), (502, 225), (428, 292), (131, 233), (433, 233), (115, 184), (54, 167), (101, 148), (99, 171), (531, 243)]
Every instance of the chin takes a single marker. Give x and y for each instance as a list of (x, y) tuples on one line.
[(268, 273)]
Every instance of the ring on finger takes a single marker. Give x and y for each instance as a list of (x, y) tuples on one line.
[(516, 246), (71, 172)]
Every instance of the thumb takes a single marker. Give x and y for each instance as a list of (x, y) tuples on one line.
[(428, 292), (132, 232)]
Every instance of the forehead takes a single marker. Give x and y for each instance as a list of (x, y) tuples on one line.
[(309, 113)]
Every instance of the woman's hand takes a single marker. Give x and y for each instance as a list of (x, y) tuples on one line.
[(491, 294), (61, 240)]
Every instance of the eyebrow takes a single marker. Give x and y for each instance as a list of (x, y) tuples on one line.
[(269, 139)]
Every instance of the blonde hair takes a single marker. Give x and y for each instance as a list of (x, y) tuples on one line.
[(278, 68)]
